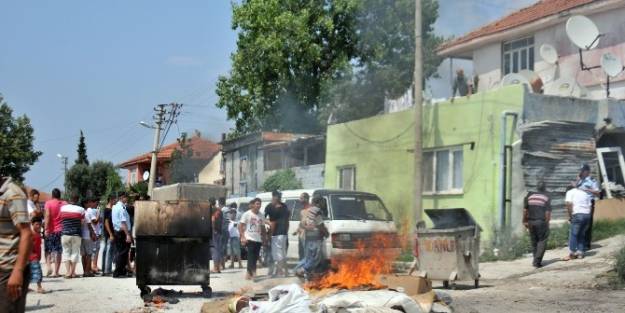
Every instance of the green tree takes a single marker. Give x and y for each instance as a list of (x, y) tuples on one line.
[(82, 151), (17, 153), (298, 62), (139, 189), (282, 180), (285, 51), (104, 179), (78, 181), (385, 67)]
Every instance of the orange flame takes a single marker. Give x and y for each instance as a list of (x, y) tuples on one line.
[(362, 268)]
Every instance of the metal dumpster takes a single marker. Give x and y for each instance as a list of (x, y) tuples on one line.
[(450, 250), (173, 233)]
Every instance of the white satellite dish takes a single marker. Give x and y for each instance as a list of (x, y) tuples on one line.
[(549, 53), (146, 175), (582, 32), (611, 65), (564, 87), (515, 78)]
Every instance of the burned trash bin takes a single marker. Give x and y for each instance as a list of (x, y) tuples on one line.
[(173, 233), (449, 251)]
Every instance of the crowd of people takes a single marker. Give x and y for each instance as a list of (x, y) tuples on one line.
[(268, 233), (71, 232), (579, 202)]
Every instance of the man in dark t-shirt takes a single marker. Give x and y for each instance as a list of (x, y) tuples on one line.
[(107, 247), (278, 215), (536, 217)]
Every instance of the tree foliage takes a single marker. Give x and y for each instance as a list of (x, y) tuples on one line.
[(298, 62), (17, 153), (138, 190), (282, 180), (100, 179), (82, 151)]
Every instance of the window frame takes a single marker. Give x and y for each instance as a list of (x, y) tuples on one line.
[(450, 172), (353, 178), (514, 54)]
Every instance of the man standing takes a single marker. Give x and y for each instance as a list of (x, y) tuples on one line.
[(33, 204), (589, 185), (217, 221), (536, 217), (304, 200), (252, 231), (315, 231), (15, 247), (278, 215), (122, 228), (52, 228), (72, 217), (88, 243), (578, 206)]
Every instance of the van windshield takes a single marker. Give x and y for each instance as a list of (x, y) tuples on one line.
[(359, 207)]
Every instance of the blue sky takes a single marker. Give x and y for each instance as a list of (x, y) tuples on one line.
[(101, 66)]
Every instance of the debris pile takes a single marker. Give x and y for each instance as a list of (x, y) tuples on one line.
[(159, 297), (617, 190), (292, 298)]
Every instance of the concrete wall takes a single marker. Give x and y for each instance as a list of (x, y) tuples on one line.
[(311, 176), (487, 59), (212, 171), (381, 149)]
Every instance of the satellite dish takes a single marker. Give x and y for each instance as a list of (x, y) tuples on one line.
[(549, 53), (611, 65), (515, 78), (146, 175), (582, 32), (564, 87)]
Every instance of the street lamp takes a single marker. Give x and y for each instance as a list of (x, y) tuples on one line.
[(146, 125)]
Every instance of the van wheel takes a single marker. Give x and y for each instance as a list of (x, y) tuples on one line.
[(446, 284)]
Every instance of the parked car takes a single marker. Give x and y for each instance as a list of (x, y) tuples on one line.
[(349, 216)]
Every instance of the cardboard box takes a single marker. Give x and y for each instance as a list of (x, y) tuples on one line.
[(609, 209)]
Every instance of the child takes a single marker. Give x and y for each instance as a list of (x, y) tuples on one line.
[(235, 239), (35, 267)]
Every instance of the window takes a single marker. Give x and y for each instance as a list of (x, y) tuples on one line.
[(273, 159), (133, 178), (359, 207), (442, 170), (518, 55), (347, 177)]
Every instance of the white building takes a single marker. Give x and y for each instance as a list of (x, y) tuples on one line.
[(512, 43)]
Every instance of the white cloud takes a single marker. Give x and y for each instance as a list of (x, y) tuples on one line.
[(183, 60)]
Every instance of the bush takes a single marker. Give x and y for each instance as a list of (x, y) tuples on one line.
[(282, 180), (620, 268)]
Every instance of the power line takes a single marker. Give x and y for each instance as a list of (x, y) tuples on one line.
[(363, 138)]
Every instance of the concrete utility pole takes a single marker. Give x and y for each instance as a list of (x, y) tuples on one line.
[(158, 120), (418, 81)]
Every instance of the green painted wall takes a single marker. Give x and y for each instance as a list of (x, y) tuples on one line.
[(380, 148)]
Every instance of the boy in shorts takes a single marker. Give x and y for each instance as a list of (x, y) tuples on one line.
[(34, 264)]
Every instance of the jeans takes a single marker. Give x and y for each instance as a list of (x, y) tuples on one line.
[(108, 254), (312, 255), (577, 236), (539, 233), (253, 250)]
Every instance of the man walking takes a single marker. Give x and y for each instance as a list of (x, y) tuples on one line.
[(52, 229), (252, 231), (122, 228), (278, 215), (536, 217), (578, 206), (590, 186), (15, 247)]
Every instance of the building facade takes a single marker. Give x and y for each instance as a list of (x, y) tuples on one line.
[(513, 43), (250, 159)]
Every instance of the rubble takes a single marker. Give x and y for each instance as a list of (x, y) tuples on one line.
[(159, 297)]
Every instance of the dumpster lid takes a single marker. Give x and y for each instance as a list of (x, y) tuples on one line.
[(451, 218)]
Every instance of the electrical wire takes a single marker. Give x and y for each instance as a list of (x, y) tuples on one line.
[(378, 141), (51, 182)]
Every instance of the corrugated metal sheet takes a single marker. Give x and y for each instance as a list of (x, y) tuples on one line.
[(554, 152)]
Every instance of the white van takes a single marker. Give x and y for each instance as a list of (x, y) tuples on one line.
[(350, 217)]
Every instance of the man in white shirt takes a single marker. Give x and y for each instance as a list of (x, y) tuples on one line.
[(252, 231), (87, 244), (579, 206)]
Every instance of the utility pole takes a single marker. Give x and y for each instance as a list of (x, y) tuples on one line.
[(158, 120), (418, 86)]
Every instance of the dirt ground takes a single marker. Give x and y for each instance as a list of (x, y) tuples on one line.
[(513, 286)]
